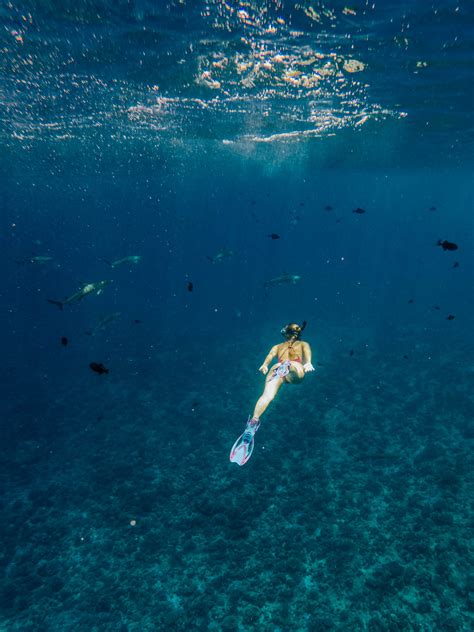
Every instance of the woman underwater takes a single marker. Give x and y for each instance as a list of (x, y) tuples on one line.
[(294, 361)]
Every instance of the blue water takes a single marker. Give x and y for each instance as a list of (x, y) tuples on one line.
[(176, 131)]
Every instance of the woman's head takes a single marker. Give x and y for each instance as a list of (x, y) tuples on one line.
[(293, 331)]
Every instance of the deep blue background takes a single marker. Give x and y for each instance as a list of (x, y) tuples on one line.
[(355, 509)]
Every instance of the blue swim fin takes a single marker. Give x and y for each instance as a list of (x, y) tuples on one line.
[(243, 447)]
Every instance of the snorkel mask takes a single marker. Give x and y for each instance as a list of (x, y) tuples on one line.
[(293, 330)]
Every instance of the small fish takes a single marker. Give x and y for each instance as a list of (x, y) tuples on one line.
[(456, 264), (130, 259), (351, 352), (359, 210), (406, 357), (450, 317), (221, 255), (64, 341), (447, 245), (98, 367), (284, 279), (411, 300), (135, 321), (436, 307), (101, 325), (328, 207), (432, 208), (87, 288), (39, 259), (190, 286), (273, 236)]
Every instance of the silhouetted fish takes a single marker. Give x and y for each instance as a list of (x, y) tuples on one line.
[(411, 300), (130, 259), (432, 208), (135, 321), (436, 307), (102, 324), (447, 245), (87, 288), (285, 279), (98, 367), (359, 210), (221, 255), (351, 352), (450, 317), (328, 207), (273, 236), (456, 264), (64, 341), (190, 286), (36, 259)]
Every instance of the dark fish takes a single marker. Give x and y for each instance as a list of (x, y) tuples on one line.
[(64, 341), (351, 352), (273, 236), (98, 367), (136, 321), (406, 357), (328, 208), (456, 264), (432, 208), (359, 210), (301, 203), (411, 300), (190, 286), (447, 245), (436, 307), (450, 317)]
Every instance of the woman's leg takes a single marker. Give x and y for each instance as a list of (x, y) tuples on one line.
[(296, 373), (272, 385)]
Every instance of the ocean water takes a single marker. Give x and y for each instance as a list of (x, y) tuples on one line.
[(185, 134)]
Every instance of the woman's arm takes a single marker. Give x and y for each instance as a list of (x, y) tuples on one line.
[(273, 352), (307, 355)]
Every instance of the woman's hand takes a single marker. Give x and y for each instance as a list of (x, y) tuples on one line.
[(264, 369), (308, 367)]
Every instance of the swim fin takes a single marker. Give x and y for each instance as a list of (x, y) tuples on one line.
[(243, 447)]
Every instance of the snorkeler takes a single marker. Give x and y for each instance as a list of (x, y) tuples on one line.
[(294, 360)]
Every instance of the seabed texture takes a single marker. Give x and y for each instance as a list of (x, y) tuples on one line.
[(122, 511)]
